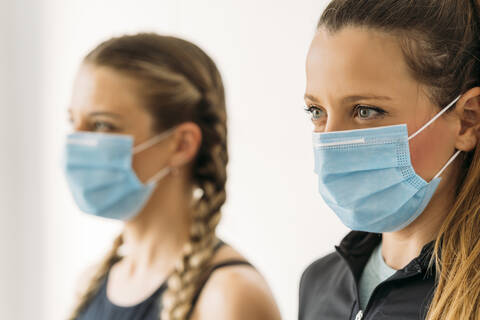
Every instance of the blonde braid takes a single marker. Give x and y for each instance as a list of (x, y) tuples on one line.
[(211, 178), (180, 83), (110, 258)]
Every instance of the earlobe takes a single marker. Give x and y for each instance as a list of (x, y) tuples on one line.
[(469, 113)]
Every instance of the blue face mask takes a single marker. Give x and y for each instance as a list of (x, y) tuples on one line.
[(99, 172), (366, 177)]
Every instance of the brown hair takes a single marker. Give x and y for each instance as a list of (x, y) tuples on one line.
[(440, 40), (180, 83)]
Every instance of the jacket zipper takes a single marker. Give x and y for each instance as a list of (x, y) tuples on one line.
[(359, 315), (360, 312)]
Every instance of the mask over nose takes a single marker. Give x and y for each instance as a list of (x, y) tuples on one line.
[(366, 177), (99, 173)]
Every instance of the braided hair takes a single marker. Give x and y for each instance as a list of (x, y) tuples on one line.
[(179, 83)]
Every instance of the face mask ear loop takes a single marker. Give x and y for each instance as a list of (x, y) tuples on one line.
[(159, 175), (153, 141), (434, 118), (447, 164)]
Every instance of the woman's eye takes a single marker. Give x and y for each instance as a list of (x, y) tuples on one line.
[(103, 126), (315, 113), (365, 112)]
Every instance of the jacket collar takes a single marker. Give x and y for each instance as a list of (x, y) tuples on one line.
[(357, 247)]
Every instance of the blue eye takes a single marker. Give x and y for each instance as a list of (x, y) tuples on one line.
[(366, 112), (314, 112)]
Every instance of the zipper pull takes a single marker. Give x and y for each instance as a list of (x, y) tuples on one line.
[(359, 315)]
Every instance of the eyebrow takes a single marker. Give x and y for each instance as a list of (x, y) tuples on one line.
[(352, 98), (99, 113), (103, 113)]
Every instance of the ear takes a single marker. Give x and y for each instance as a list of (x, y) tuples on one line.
[(468, 111), (187, 140)]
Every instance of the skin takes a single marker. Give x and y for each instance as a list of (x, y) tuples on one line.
[(106, 101), (356, 69)]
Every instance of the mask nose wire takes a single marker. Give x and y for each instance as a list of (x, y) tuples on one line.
[(434, 118)]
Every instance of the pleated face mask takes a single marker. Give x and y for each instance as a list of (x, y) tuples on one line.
[(99, 172), (366, 177)]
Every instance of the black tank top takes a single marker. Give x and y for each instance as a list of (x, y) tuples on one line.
[(101, 308)]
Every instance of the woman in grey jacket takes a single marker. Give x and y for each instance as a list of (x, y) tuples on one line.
[(393, 93)]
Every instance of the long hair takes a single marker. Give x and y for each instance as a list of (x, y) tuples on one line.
[(440, 41), (179, 83)]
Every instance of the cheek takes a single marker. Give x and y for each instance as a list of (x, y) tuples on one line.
[(142, 166), (422, 154), (149, 162), (430, 150)]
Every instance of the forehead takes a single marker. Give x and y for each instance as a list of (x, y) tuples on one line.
[(357, 60), (104, 88)]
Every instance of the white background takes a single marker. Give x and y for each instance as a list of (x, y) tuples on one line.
[(273, 214)]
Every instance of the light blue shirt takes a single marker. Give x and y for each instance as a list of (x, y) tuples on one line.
[(376, 271)]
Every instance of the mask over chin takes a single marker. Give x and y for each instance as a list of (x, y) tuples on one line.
[(99, 172)]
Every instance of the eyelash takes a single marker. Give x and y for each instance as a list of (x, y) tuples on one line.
[(108, 127), (94, 126), (311, 108)]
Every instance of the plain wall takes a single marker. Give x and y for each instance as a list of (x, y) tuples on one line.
[(273, 215), (22, 218)]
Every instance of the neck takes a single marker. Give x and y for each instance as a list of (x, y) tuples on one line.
[(401, 247), (154, 239)]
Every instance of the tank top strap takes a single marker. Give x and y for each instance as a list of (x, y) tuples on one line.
[(208, 274), (218, 245)]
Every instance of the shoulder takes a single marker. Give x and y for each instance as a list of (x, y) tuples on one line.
[(84, 278), (320, 267), (230, 290), (320, 273), (326, 289)]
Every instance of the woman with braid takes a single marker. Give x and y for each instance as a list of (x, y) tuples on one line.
[(150, 148)]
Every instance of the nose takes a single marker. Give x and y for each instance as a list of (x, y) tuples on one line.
[(336, 119), (334, 123), (79, 125)]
